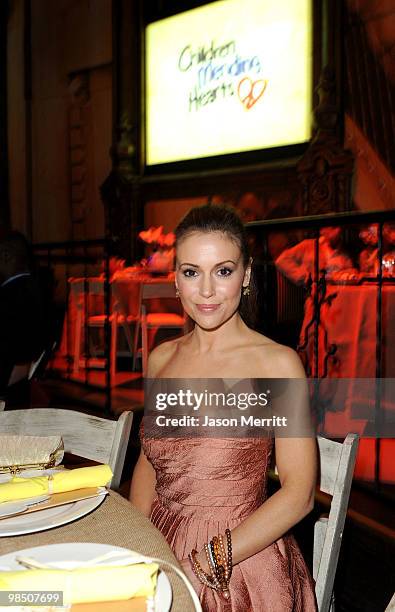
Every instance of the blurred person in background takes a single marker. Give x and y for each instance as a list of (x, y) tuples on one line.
[(368, 258), (298, 262), (249, 207), (298, 265), (389, 246), (368, 262), (22, 318)]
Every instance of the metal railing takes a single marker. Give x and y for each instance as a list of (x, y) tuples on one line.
[(319, 295)]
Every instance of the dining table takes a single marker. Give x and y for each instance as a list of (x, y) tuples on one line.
[(115, 522)]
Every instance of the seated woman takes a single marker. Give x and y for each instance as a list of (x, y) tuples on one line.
[(298, 262), (208, 495)]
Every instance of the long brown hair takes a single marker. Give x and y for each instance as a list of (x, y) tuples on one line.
[(213, 218)]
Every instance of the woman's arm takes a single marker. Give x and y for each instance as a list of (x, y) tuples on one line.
[(142, 489), (296, 462), (292, 262)]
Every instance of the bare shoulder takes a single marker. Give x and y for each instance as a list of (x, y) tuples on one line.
[(283, 361), (286, 362), (161, 355)]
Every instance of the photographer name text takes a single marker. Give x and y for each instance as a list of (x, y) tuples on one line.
[(206, 421)]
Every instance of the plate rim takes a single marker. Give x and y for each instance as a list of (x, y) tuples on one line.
[(88, 505), (163, 578)]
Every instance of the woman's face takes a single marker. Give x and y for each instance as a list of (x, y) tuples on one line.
[(210, 275)]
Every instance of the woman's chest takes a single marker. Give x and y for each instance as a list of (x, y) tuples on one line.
[(183, 366)]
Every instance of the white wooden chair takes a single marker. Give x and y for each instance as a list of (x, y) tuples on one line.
[(124, 313), (84, 435), (337, 461), (336, 468), (156, 320)]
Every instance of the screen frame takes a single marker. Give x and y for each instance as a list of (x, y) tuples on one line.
[(154, 11)]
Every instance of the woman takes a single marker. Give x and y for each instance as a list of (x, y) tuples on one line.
[(195, 489)]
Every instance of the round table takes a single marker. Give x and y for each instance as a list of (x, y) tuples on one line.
[(115, 522)]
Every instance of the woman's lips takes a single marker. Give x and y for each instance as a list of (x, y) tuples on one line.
[(207, 308)]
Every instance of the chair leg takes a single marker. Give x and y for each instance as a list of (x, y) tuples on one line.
[(136, 343), (144, 343), (332, 604), (113, 349), (128, 336), (77, 343)]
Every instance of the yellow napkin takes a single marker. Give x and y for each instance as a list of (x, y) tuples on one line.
[(67, 480), (83, 585)]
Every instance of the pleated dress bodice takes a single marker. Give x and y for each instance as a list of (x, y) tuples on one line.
[(205, 485)]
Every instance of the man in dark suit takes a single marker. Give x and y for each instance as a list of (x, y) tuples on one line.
[(21, 310)]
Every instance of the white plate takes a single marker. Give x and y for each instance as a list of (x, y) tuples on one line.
[(70, 555), (49, 518), (16, 507)]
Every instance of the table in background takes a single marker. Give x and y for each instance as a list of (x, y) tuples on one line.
[(127, 288), (118, 523)]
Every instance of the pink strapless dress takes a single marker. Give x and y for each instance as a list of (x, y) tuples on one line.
[(205, 485)]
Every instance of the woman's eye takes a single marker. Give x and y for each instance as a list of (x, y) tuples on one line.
[(224, 272), (189, 273)]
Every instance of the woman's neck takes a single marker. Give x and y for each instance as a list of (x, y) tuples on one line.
[(220, 338)]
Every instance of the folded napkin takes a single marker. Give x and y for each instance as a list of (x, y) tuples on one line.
[(82, 585), (67, 480)]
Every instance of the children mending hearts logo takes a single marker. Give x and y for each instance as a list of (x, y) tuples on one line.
[(220, 72)]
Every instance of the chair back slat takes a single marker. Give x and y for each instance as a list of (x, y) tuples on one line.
[(330, 453), (339, 458), (77, 286), (95, 286), (84, 435), (319, 538)]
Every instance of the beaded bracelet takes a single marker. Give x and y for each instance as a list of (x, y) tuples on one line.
[(219, 560), (199, 571)]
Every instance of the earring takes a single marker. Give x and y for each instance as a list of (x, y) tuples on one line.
[(246, 290), (177, 293)]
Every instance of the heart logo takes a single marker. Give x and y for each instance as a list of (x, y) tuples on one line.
[(250, 91)]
